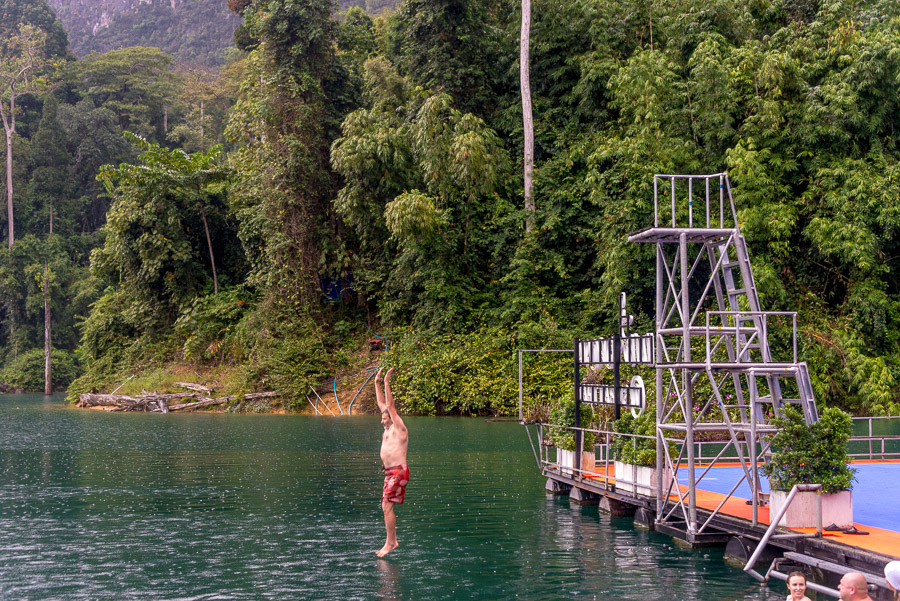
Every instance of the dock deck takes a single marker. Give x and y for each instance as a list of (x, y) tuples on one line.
[(733, 525)]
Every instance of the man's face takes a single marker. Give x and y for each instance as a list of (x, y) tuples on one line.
[(846, 589), (385, 419)]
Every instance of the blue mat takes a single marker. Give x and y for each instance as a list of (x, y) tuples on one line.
[(876, 493)]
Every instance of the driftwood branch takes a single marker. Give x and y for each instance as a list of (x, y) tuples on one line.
[(197, 387), (160, 402)]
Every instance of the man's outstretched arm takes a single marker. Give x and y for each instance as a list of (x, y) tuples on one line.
[(379, 395), (389, 401)]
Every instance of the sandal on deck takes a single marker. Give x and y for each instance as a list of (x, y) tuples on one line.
[(852, 530)]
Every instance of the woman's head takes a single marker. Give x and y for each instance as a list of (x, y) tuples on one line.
[(892, 575), (797, 585)]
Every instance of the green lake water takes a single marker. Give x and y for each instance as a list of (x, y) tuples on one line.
[(148, 506)]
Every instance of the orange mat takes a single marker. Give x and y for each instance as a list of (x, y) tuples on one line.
[(879, 540)]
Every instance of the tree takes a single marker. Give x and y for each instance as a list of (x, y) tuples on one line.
[(152, 250), (93, 140), (292, 102), (356, 36), (49, 178), (420, 180), (36, 13), (459, 46), (205, 96), (20, 65), (135, 83), (527, 120), (49, 206)]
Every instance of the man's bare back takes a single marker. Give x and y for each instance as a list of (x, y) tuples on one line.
[(394, 443)]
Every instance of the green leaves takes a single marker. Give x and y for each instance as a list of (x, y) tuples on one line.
[(811, 454), (562, 418), (412, 218), (473, 373), (135, 83), (155, 247), (637, 451), (419, 184)]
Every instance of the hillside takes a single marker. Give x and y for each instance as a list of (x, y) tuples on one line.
[(191, 30)]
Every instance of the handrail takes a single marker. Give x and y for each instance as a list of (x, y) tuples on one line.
[(708, 198), (773, 525), (521, 415), (605, 447), (737, 329)]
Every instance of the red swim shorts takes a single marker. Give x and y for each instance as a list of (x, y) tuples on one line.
[(395, 480)]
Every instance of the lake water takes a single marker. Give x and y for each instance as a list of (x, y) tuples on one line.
[(149, 506)]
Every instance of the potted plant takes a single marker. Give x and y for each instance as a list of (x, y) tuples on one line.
[(811, 454), (561, 435), (635, 458)]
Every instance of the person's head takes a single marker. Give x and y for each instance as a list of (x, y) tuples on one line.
[(853, 586), (386, 419), (797, 585), (892, 575)]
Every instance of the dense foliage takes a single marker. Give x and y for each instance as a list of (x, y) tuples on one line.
[(561, 433), (474, 372), (811, 453), (631, 449), (371, 178)]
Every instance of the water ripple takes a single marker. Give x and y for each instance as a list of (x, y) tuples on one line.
[(97, 506)]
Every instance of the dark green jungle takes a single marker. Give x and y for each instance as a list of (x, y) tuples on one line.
[(348, 177)]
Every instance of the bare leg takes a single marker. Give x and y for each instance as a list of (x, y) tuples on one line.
[(390, 525)]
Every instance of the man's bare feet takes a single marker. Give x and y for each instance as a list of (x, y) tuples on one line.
[(387, 548)]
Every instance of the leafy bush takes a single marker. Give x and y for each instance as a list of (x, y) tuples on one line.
[(637, 451), (210, 326), (288, 355), (110, 327), (562, 417), (811, 453), (468, 373), (27, 370)]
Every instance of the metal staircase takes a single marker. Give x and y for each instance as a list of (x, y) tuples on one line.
[(707, 298)]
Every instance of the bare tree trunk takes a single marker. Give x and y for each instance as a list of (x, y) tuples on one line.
[(202, 140), (165, 119), (527, 122), (48, 366), (212, 259), (9, 183), (48, 369), (12, 330)]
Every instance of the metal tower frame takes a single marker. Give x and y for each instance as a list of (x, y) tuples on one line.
[(724, 367)]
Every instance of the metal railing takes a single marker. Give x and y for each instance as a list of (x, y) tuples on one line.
[(754, 336), (603, 453), (521, 351), (877, 444), (708, 198), (773, 525)]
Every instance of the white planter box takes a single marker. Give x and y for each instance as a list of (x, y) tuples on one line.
[(837, 508), (565, 460), (639, 479)]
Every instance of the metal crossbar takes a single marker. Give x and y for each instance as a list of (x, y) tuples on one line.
[(724, 368), (709, 321)]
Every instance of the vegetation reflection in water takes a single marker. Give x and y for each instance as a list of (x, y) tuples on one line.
[(134, 506)]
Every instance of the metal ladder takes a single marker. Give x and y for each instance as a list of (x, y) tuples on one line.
[(737, 276)]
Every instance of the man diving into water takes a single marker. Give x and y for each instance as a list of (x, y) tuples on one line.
[(393, 457)]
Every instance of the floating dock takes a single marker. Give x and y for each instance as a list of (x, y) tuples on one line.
[(724, 369), (825, 558)]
